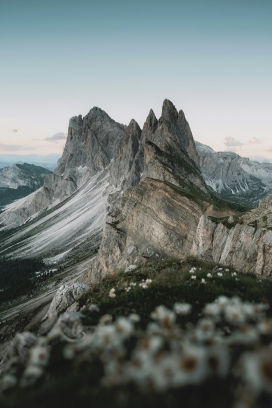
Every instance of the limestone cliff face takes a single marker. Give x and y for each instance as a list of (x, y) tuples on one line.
[(151, 220), (243, 246)]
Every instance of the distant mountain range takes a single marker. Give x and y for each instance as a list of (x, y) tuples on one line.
[(235, 178), (48, 161)]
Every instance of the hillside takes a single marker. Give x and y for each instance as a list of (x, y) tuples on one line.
[(166, 332), (19, 181)]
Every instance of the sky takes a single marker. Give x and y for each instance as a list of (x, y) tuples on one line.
[(212, 59)]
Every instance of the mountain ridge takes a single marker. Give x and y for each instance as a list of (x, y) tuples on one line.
[(96, 200), (234, 177)]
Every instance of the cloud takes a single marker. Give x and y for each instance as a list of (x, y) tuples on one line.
[(255, 140), (229, 141), (15, 130), (269, 150), (13, 148), (56, 137)]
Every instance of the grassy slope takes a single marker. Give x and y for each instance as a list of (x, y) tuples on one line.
[(69, 385), (171, 282)]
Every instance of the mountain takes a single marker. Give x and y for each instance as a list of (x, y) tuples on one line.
[(235, 178), (68, 212), (48, 161), (19, 181), (128, 194), (102, 162), (122, 197)]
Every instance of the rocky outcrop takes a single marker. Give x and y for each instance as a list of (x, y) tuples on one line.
[(242, 246), (260, 217), (235, 178), (65, 296), (127, 168)]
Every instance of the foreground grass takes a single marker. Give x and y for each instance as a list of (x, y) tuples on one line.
[(172, 282), (71, 384)]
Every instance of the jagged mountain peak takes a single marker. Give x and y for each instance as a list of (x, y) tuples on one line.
[(133, 126), (151, 122), (98, 113), (169, 111)]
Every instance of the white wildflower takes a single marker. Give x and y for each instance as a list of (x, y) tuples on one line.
[(209, 275), (134, 318), (123, 326), (203, 281), (112, 293), (218, 360), (31, 375), (39, 355), (222, 301), (182, 308), (193, 277), (257, 370), (265, 327), (106, 319), (191, 366), (234, 314), (211, 310), (164, 316), (7, 381), (219, 274)]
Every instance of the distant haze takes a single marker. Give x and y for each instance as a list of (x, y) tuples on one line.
[(47, 161), (212, 59)]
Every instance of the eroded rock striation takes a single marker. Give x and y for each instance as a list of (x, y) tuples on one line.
[(243, 246)]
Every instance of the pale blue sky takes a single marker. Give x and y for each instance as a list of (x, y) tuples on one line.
[(213, 59)]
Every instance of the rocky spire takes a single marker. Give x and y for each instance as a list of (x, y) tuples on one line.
[(151, 122), (126, 169), (169, 112)]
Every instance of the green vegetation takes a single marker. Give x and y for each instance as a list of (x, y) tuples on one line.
[(32, 169), (225, 221), (171, 282), (69, 383), (8, 195), (17, 277)]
